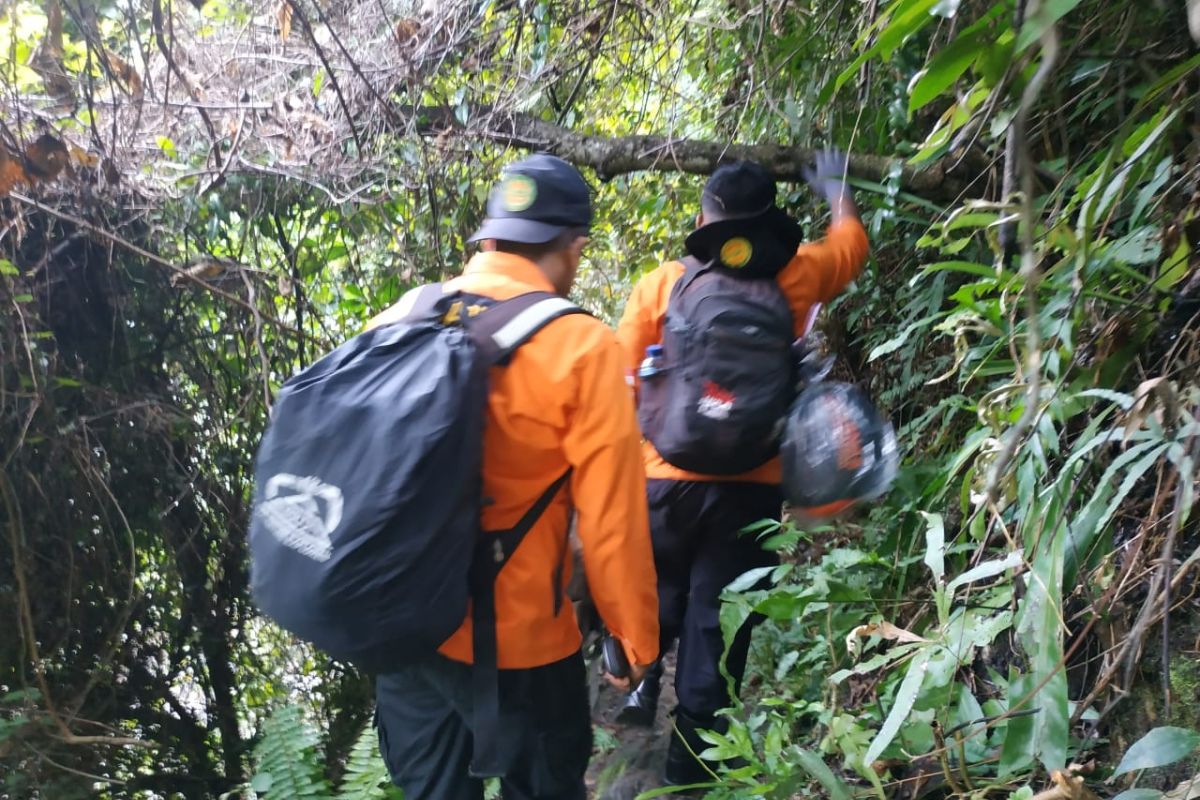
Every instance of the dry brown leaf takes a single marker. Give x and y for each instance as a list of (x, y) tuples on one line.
[(124, 72), (48, 61), (12, 173), (83, 158), (1066, 787), (1136, 417), (46, 157), (206, 268), (885, 630), (407, 29), (1186, 790), (283, 16)]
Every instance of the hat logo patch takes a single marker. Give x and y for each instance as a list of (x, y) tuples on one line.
[(736, 252), (517, 193)]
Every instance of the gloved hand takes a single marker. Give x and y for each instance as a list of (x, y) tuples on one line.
[(827, 174)]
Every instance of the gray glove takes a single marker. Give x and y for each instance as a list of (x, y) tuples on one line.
[(827, 174)]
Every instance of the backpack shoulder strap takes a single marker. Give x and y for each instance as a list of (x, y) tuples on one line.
[(507, 325), (413, 303), (692, 268), (424, 299)]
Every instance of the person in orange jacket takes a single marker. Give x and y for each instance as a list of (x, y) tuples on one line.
[(696, 519), (560, 403)]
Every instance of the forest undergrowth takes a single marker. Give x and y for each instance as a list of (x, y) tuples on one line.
[(198, 199)]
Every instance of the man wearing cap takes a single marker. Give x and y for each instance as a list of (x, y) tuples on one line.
[(695, 519), (561, 403)]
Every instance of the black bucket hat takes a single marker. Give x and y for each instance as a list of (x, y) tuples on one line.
[(753, 236), (537, 199)]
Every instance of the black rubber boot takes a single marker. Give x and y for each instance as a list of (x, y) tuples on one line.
[(641, 704), (683, 767)]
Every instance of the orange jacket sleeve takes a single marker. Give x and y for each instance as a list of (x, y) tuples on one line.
[(608, 487), (821, 270)]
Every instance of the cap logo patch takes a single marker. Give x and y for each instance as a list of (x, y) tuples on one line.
[(736, 252), (517, 193)]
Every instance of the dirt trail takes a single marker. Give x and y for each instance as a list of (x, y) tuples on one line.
[(635, 765)]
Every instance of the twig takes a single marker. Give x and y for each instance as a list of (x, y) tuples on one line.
[(224, 168), (25, 614), (156, 20), (333, 80), (1029, 265), (264, 362)]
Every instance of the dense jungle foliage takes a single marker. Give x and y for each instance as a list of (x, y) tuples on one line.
[(198, 199)]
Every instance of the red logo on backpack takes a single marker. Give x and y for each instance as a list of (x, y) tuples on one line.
[(716, 402)]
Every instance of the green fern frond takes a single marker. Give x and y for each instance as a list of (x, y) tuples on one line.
[(366, 772), (286, 759)]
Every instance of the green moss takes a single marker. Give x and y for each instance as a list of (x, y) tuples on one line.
[(1185, 691)]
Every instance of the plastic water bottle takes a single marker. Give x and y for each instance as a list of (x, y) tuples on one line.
[(652, 364)]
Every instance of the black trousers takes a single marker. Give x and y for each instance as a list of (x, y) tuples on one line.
[(698, 551), (423, 712)]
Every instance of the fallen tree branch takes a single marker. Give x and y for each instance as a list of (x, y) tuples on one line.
[(612, 156)]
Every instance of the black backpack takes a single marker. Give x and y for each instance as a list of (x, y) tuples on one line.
[(718, 405), (365, 535)]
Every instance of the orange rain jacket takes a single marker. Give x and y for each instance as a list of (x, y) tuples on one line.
[(561, 402), (816, 274)]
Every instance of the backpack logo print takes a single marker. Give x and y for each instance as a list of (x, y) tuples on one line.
[(715, 402), (302, 513)]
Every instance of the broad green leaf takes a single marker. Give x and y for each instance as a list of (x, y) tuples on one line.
[(881, 660), (1017, 752), (1152, 190), (1050, 12), (967, 712), (785, 664), (815, 766), (896, 342), (935, 545), (906, 696), (7, 267), (1039, 630), (987, 569), (968, 268), (906, 17), (1121, 399), (944, 69), (1091, 521), (749, 580), (1168, 80), (1159, 747), (994, 61)]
